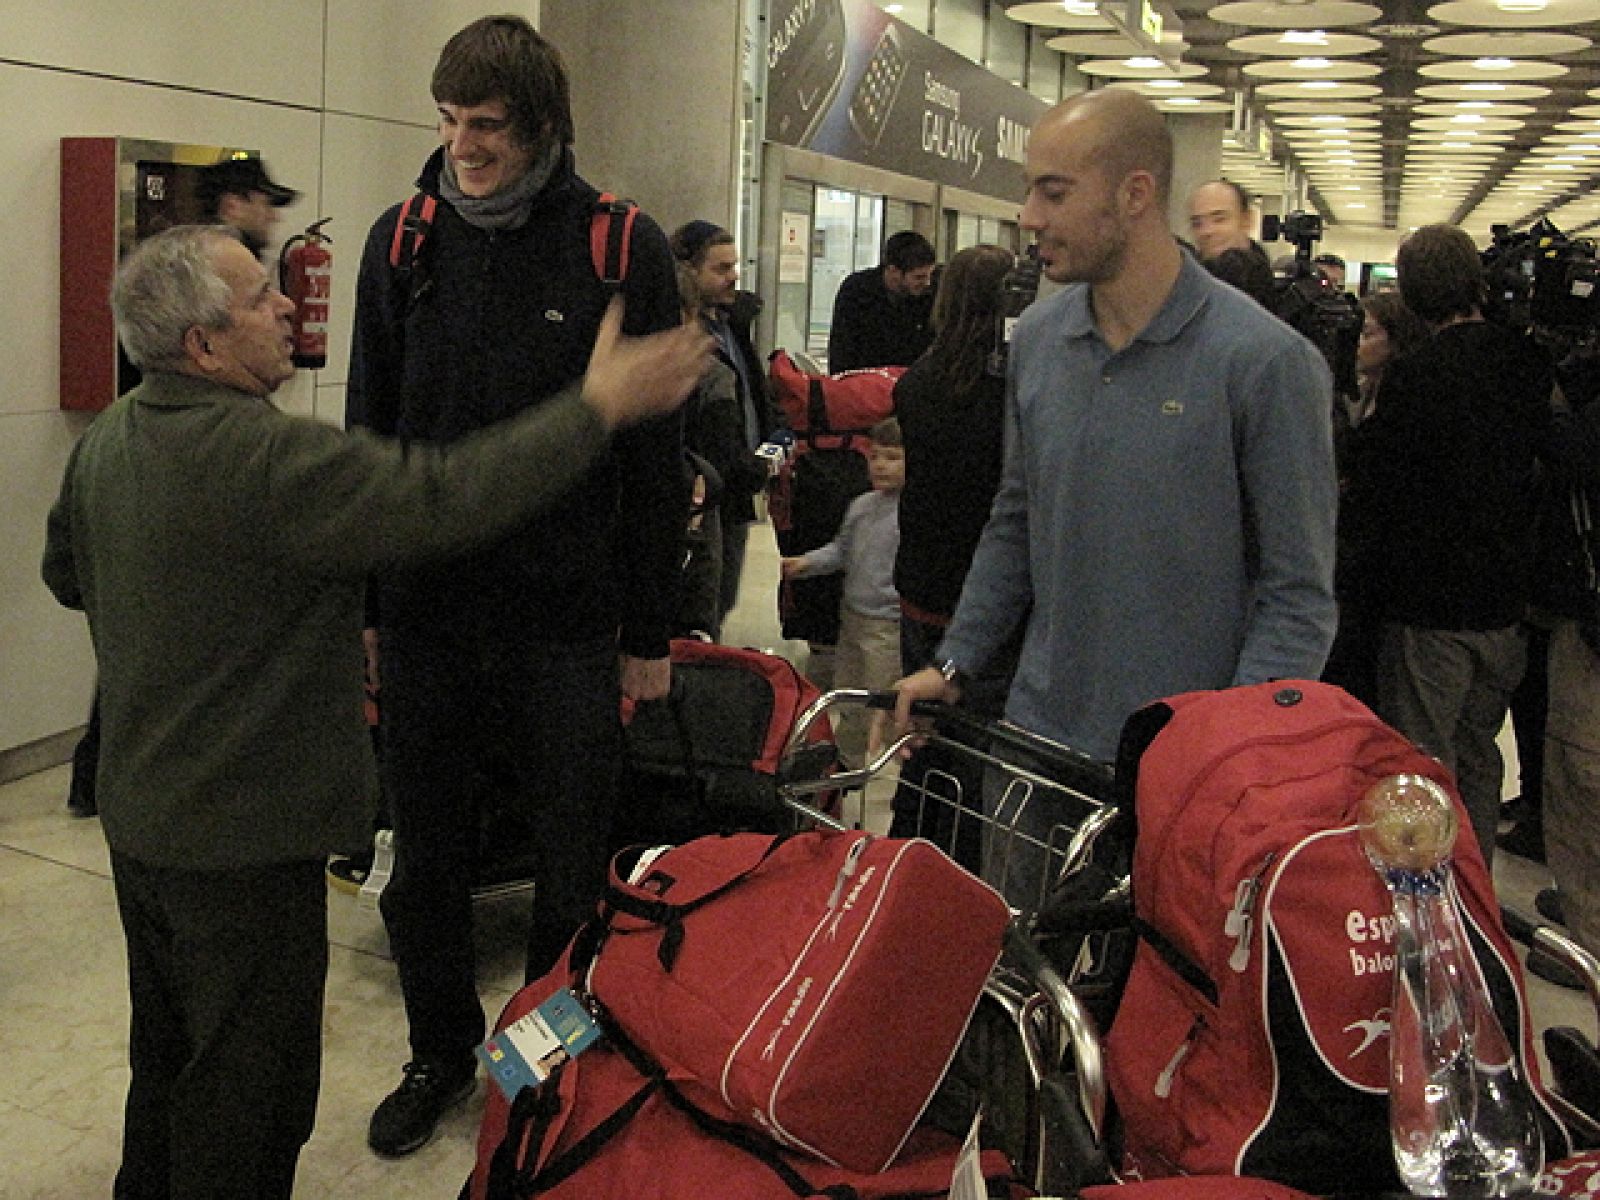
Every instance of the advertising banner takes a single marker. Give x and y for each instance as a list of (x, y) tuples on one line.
[(846, 79)]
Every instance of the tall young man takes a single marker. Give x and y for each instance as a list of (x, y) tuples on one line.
[(512, 661)]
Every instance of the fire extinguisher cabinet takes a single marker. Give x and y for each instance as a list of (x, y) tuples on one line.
[(114, 192)]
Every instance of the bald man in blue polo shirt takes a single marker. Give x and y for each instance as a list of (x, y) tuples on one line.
[(1165, 519)]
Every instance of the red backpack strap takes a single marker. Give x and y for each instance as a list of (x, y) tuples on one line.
[(411, 230), (610, 234)]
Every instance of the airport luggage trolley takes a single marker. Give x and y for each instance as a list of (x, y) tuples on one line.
[(1032, 1058)]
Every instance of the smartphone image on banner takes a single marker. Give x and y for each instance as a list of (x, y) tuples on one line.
[(807, 47), (874, 96)]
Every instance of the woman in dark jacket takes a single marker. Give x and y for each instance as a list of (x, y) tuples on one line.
[(951, 406)]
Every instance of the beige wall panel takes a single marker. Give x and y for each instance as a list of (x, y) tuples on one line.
[(62, 105), (381, 52), (367, 167), (655, 113), (264, 51), (46, 665)]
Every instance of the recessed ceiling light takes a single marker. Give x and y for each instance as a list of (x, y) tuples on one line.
[(1183, 100), (1493, 64), (894, 9), (1311, 64), (1467, 119), (1305, 37), (1166, 83), (1355, 204), (1319, 84), (1144, 63), (1521, 6)]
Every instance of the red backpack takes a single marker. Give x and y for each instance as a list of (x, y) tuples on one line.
[(610, 236), (1252, 1037)]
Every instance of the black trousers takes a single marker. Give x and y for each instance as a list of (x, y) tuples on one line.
[(936, 780), (549, 722), (226, 971)]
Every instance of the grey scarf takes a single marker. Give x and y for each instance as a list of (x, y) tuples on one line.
[(507, 208)]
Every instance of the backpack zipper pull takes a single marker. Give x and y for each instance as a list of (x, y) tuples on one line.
[(1241, 920), (851, 861), (1164, 1080)]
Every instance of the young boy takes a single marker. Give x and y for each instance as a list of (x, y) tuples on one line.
[(868, 654)]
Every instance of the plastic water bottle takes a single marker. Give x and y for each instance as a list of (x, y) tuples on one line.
[(1460, 1114)]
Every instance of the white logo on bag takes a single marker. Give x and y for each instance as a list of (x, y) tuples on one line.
[(1374, 934), (1371, 1030), (788, 1019)]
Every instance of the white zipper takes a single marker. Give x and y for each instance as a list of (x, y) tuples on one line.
[(1241, 917), (1164, 1080), (851, 860)]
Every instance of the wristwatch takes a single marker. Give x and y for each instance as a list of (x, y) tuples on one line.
[(952, 673)]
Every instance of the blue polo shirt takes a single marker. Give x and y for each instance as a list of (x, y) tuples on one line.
[(1165, 519)]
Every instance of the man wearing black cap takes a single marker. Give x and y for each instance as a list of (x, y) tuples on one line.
[(239, 192)]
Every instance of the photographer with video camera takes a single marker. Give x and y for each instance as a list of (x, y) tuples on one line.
[(1442, 491), (1307, 298)]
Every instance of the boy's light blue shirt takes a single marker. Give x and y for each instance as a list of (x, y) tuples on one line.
[(864, 549)]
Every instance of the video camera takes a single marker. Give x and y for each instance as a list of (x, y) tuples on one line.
[(1301, 228), (1542, 280)]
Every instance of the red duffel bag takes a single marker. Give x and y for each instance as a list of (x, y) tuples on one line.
[(850, 402), (814, 987), (607, 1126)]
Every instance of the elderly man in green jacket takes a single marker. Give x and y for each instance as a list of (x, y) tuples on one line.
[(219, 548)]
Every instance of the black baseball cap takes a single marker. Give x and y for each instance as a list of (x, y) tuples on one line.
[(241, 176)]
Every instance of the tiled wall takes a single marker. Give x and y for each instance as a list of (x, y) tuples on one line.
[(334, 93)]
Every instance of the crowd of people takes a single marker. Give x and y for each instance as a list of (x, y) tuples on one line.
[(525, 509)]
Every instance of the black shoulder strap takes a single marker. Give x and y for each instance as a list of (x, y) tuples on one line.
[(411, 231), (610, 234), (528, 1182)]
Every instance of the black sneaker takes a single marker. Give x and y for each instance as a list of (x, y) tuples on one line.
[(408, 1115), (1548, 902), (1524, 839), (346, 873), (1552, 970)]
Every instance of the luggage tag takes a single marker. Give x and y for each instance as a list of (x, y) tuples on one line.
[(527, 1052)]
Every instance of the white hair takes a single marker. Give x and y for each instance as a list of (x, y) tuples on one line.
[(167, 285)]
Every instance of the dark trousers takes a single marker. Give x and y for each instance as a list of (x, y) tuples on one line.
[(86, 763), (735, 537), (226, 971), (547, 715), (937, 780)]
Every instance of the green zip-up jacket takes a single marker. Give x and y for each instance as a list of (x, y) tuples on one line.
[(219, 548)]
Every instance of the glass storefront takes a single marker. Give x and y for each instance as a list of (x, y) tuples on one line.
[(828, 233)]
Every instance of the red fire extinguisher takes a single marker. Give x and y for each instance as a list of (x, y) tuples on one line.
[(305, 275)]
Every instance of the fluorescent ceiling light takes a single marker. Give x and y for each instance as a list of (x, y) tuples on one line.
[(1144, 63), (1304, 37), (1312, 64), (1493, 64)]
